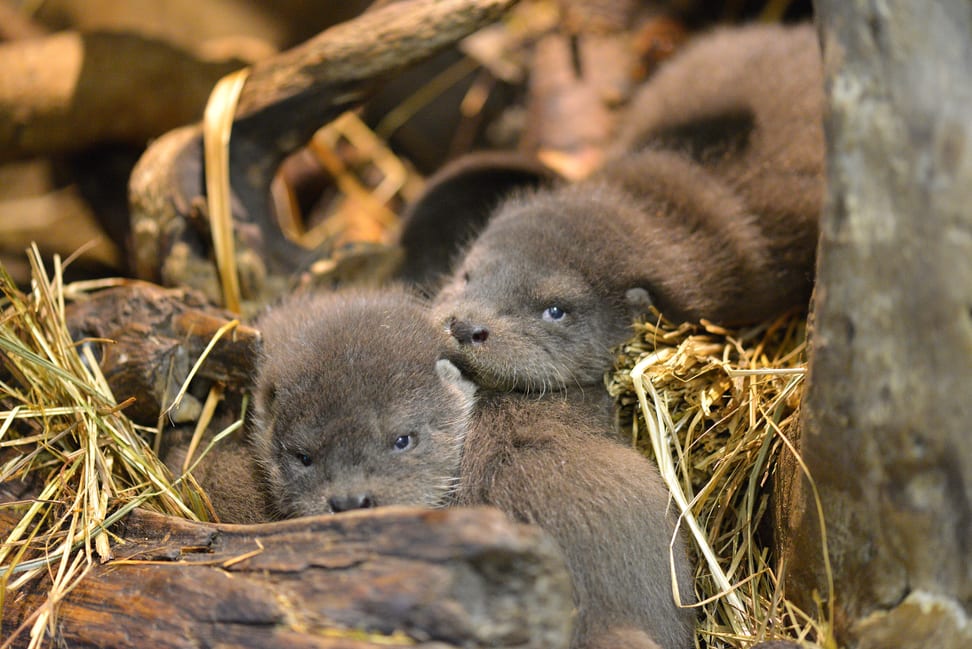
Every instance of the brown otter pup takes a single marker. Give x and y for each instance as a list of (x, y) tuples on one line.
[(355, 410), (542, 461), (712, 213), (231, 479), (352, 406)]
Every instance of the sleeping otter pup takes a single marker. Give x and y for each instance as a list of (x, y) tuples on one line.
[(711, 213), (352, 406), (355, 410)]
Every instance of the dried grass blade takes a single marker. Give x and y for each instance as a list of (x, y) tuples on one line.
[(708, 404), (217, 125), (60, 417)]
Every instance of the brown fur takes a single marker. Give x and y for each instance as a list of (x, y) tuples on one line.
[(230, 477), (747, 104), (456, 203), (542, 462), (342, 377), (711, 213)]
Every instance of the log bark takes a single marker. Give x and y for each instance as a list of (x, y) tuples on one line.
[(285, 99), (885, 433), (391, 577), (148, 340), (199, 26)]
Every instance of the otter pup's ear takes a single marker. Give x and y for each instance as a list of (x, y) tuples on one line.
[(456, 383), (638, 301), (455, 206)]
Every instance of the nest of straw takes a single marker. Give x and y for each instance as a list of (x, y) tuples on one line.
[(713, 407), (62, 430)]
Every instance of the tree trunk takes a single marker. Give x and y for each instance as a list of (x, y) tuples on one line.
[(887, 409)]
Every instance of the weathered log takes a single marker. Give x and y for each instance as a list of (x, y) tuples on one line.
[(431, 579), (284, 100), (198, 26), (67, 91), (149, 339), (38, 206), (886, 415)]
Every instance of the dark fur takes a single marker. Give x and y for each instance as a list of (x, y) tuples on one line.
[(747, 104), (543, 462), (230, 477), (456, 203), (342, 375), (711, 214)]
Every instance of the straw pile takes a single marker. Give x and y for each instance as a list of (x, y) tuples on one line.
[(62, 430), (712, 407)]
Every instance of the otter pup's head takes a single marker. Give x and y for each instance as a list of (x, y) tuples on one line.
[(353, 406), (534, 305)]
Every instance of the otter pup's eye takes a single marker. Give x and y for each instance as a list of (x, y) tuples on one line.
[(305, 459), (553, 314), (465, 278), (404, 442)]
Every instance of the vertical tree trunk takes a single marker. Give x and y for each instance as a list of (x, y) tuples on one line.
[(888, 410)]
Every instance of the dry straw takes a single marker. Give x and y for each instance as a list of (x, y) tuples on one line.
[(62, 430), (713, 407)]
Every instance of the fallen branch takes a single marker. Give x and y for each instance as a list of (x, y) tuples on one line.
[(67, 91)]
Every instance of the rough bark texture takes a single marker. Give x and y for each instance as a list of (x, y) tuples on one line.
[(887, 410), (391, 577), (155, 336)]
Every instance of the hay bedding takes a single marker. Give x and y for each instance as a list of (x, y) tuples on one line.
[(714, 407), (62, 431)]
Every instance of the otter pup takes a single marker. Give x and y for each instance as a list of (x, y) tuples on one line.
[(710, 213), (455, 205), (230, 477), (352, 406), (543, 461), (355, 409)]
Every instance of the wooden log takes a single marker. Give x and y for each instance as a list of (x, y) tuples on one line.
[(200, 27), (390, 577), (149, 339), (67, 91), (284, 100), (885, 433)]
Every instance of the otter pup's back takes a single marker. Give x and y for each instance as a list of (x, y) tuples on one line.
[(544, 462)]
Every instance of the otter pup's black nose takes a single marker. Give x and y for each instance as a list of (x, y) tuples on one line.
[(467, 334), (348, 502)]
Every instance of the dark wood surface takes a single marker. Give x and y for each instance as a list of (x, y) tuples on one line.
[(432, 579), (885, 432), (149, 338)]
